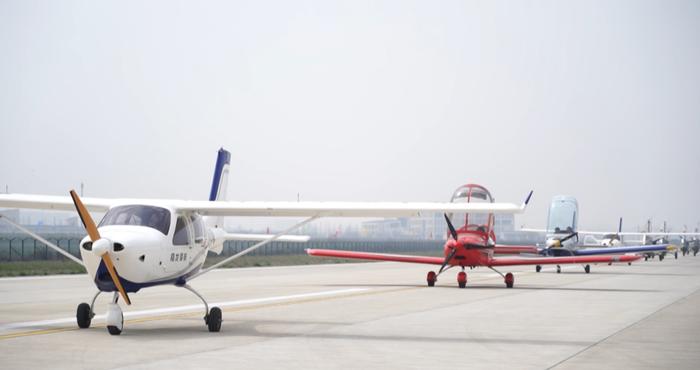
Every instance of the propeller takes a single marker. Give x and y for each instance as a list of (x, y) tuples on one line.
[(557, 243), (100, 246), (453, 232)]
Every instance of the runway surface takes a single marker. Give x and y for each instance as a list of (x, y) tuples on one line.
[(370, 316)]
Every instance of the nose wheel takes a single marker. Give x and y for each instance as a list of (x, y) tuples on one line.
[(213, 320), (462, 279), (115, 317)]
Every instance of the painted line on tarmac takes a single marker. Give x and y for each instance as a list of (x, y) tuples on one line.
[(175, 310)]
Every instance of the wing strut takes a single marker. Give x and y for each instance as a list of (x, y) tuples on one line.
[(39, 238), (253, 247)]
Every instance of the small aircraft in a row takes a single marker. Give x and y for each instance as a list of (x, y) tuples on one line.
[(141, 243), (474, 245), (562, 235)]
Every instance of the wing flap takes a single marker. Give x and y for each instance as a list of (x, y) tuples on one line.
[(375, 256)]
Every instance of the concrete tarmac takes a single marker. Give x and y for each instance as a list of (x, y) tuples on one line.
[(370, 316)]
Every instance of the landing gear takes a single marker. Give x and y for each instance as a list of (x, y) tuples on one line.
[(675, 255), (538, 268), (661, 257), (558, 269), (86, 312), (115, 317), (84, 316), (212, 318), (510, 280), (431, 278), (462, 279), (587, 268)]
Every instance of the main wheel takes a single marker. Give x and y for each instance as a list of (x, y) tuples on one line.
[(83, 316), (538, 268), (115, 319), (462, 279), (661, 257), (587, 268), (558, 269), (510, 280), (214, 319), (113, 330), (431, 278)]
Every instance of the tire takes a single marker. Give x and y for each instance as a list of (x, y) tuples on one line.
[(113, 330), (587, 268), (431, 278), (214, 320), (83, 316), (538, 268)]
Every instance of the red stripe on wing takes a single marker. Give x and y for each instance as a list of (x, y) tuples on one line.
[(375, 256), (511, 261)]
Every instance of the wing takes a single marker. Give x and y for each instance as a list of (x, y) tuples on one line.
[(341, 209), (513, 261), (58, 203), (260, 237), (625, 249), (515, 249), (375, 256)]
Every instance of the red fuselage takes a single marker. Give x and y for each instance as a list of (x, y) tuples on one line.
[(472, 249)]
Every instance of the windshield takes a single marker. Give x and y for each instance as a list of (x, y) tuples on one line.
[(562, 215), (138, 215), (471, 194)]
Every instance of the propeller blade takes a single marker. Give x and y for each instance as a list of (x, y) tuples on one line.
[(115, 278), (95, 236), (453, 232), (447, 259), (568, 237), (85, 217)]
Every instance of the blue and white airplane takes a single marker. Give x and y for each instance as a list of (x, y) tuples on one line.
[(562, 237), (142, 243)]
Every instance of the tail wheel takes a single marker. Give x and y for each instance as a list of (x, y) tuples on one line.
[(462, 279), (84, 316), (431, 278), (214, 320), (510, 280)]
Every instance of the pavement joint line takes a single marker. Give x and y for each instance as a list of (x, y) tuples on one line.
[(623, 329)]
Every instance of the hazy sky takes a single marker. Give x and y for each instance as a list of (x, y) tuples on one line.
[(376, 100)]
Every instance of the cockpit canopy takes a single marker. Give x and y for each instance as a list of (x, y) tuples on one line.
[(563, 215), (138, 215), (472, 193)]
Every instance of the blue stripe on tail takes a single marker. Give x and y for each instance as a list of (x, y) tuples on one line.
[(222, 160)]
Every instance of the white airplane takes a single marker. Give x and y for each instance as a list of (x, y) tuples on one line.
[(142, 243)]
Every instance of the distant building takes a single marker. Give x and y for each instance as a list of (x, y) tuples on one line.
[(432, 227)]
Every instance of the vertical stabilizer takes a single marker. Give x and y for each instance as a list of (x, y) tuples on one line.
[(219, 184)]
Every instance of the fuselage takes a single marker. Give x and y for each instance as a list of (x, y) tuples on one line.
[(472, 249), (151, 244)]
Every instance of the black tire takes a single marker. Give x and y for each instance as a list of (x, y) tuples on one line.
[(214, 320), (113, 330), (661, 257), (538, 268), (509, 285), (676, 255), (558, 269), (431, 282), (462, 284), (83, 316), (587, 268)]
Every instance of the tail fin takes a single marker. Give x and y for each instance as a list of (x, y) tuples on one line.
[(219, 184), (220, 181)]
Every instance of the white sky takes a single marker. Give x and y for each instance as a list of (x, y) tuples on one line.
[(375, 100)]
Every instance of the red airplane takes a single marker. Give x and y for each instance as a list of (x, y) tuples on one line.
[(474, 245)]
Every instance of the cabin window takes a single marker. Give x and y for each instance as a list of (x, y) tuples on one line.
[(182, 232), (138, 215), (198, 226)]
